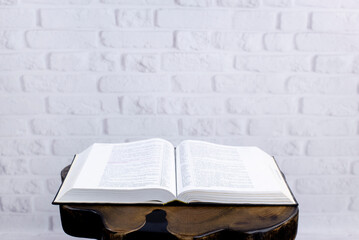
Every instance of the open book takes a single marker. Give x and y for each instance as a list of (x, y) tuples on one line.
[(154, 171)]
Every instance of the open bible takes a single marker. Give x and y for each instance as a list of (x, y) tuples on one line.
[(154, 171)]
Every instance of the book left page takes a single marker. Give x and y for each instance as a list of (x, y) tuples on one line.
[(127, 172)]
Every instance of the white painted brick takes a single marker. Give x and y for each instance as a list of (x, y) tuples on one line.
[(137, 39), (354, 205), (12, 204), (193, 19), (326, 185), (22, 61), (254, 20), (14, 222), (61, 39), (318, 3), (190, 106), (12, 127), (249, 83), (197, 127), (134, 83), (349, 4), (11, 40), (237, 41), (333, 147), (108, 61), (9, 83), (339, 106), (230, 127), (139, 2), (9, 18), (8, 2), (322, 84), (194, 3), (141, 62), (278, 3), (135, 18), (315, 167), (57, 2), (20, 186), (158, 126), (334, 63), (70, 146), (327, 42), (267, 127), (278, 42), (322, 204), (193, 40), (53, 185), (69, 61), (273, 63), (19, 147), (239, 3), (355, 168), (138, 105), (293, 21), (59, 83), (49, 167), (188, 62), (41, 203), (322, 127), (68, 127), (13, 166), (21, 105), (335, 21), (77, 18), (192, 83), (261, 105)]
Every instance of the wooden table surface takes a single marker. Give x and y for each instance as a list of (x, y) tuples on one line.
[(179, 221)]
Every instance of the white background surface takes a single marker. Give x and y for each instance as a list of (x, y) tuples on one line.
[(278, 74)]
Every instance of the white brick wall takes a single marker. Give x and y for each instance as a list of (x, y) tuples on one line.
[(279, 74)]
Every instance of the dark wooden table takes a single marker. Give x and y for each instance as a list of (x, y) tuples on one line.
[(179, 221)]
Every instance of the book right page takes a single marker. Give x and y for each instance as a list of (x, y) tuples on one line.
[(217, 173)]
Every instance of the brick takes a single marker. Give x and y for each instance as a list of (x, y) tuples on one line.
[(9, 83), (273, 63), (194, 3), (22, 61), (159, 126), (333, 147), (137, 39), (278, 41), (261, 105), (239, 3), (321, 127), (327, 42), (322, 204), (293, 21), (68, 127), (16, 166), (354, 204), (267, 127), (326, 185), (8, 2), (68, 147), (196, 127), (191, 83), (237, 41), (12, 127), (9, 18), (254, 20), (230, 127), (81, 105), (190, 106), (59, 83), (108, 61), (193, 19), (13, 222), (20, 186), (56, 2), (335, 21), (322, 84), (249, 83), (349, 4), (135, 18), (21, 105), (278, 3), (77, 18), (193, 40), (20, 147), (12, 204), (69, 61), (355, 168), (11, 40), (41, 204), (139, 2), (315, 167), (318, 3), (141, 62), (138, 105), (52, 39), (194, 62), (49, 167), (134, 83), (338, 106), (53, 185), (334, 64)]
